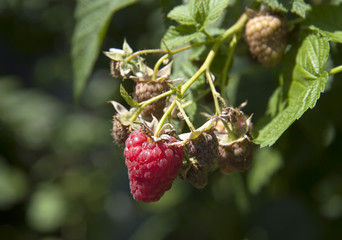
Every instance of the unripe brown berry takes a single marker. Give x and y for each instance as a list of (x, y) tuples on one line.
[(147, 90), (120, 132), (266, 37), (204, 148), (236, 157), (197, 176)]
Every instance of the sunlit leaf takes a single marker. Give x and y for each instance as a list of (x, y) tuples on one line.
[(306, 81), (300, 7), (177, 36), (275, 4), (181, 14), (92, 18), (296, 6)]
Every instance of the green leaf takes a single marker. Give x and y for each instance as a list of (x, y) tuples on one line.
[(177, 36), (201, 13), (275, 5), (305, 82), (206, 12), (182, 15), (327, 20), (130, 101), (296, 6), (267, 161), (300, 8), (92, 18), (216, 8)]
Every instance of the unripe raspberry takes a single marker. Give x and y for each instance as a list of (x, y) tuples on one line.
[(204, 148), (147, 90), (237, 156), (115, 69), (120, 131), (197, 176), (266, 37)]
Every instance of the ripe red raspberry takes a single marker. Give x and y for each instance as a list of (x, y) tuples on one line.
[(152, 166), (147, 90), (266, 37)]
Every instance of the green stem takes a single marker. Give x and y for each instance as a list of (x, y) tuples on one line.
[(147, 51), (227, 64), (185, 116), (335, 70), (214, 92), (207, 34), (237, 27), (164, 117), (156, 67), (233, 29), (145, 103)]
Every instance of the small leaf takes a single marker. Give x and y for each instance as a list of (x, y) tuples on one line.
[(130, 101), (126, 48), (300, 8), (115, 54), (182, 15), (201, 12), (305, 80), (327, 20), (92, 18), (216, 7), (296, 6), (177, 36), (276, 5), (267, 161), (206, 12)]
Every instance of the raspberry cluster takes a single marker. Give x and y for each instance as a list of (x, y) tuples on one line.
[(155, 154), (152, 166)]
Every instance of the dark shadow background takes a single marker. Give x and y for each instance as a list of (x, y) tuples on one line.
[(62, 177)]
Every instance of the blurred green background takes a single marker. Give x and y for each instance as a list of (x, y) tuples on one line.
[(62, 177)]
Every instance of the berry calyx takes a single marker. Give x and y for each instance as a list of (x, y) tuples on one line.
[(152, 165), (266, 37)]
